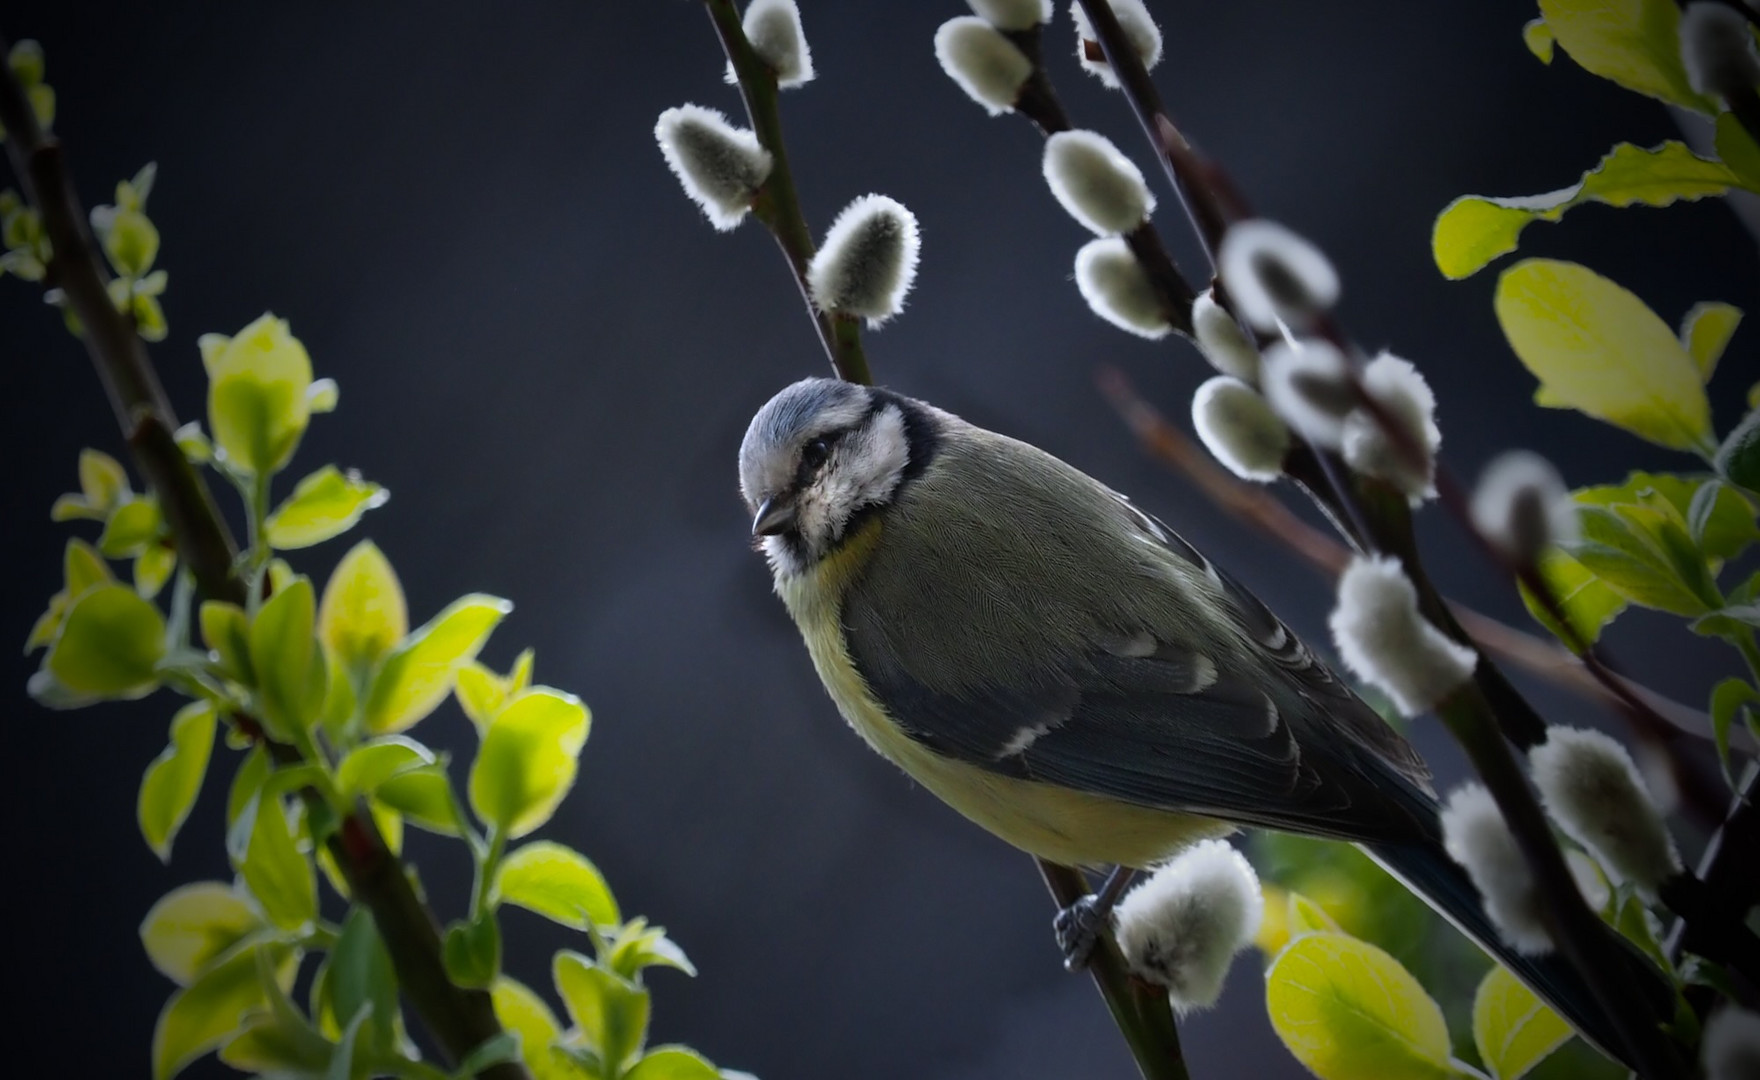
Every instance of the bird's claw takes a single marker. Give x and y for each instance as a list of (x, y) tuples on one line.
[(1078, 930)]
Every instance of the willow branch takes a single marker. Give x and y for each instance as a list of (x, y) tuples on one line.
[(460, 1020), (777, 205)]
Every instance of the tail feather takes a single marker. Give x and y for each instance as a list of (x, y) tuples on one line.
[(1428, 871)]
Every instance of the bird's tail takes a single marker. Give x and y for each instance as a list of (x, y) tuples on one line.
[(1428, 871)]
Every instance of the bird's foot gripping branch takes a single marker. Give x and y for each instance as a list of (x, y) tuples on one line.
[(311, 696)]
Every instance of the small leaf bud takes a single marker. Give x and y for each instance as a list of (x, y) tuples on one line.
[(1181, 927), (1591, 788), (1407, 401), (1139, 29), (1116, 288), (1309, 385), (986, 65), (773, 27), (1478, 838), (1013, 14), (721, 167), (1521, 506), (1275, 275), (1240, 429), (1100, 187), (1388, 642), (1222, 341), (1717, 49), (867, 262)]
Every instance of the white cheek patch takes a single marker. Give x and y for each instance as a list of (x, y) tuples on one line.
[(864, 470)]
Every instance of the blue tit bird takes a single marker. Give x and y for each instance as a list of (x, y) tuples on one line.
[(1064, 670)]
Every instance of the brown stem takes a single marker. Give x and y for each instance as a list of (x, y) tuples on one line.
[(460, 1020)]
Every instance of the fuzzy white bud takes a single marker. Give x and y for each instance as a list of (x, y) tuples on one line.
[(1592, 789), (1477, 837), (986, 65), (721, 167), (1013, 14), (1181, 927), (868, 260), (1521, 506), (773, 27), (1275, 274), (1407, 401), (1100, 187), (1309, 384), (1388, 642), (1717, 49), (1240, 429), (1730, 1047), (1139, 29), (1222, 341), (1116, 288)]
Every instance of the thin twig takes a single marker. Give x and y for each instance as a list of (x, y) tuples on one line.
[(460, 1020)]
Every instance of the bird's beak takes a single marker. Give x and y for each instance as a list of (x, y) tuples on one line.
[(775, 516)]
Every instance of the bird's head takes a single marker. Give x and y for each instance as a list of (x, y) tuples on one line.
[(820, 455)]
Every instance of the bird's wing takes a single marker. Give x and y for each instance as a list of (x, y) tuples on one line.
[(1259, 734)]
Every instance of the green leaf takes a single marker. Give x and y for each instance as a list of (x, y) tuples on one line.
[(194, 443), (361, 974), (503, 1046), (345, 1063), (1738, 459), (369, 765), (1737, 149), (323, 395), (1728, 698), (1705, 333), (1721, 522), (279, 1043), (1537, 36), (326, 503), (226, 629), (480, 693), (1347, 1010), (558, 883), (1307, 917), (611, 1012), (472, 950), (247, 783), (173, 780), (291, 674), (102, 481), (109, 645), (1595, 347), (417, 675), (640, 946), (152, 569), (1513, 1030), (523, 1012), (1635, 43), (210, 1010), (1637, 925), (424, 796), (1475, 229), (1587, 602), (131, 526), (274, 869), (363, 614), (672, 1063), (527, 760), (130, 239), (257, 405), (194, 925), (1619, 547)]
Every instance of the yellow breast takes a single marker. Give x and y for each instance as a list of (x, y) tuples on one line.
[(1070, 827)]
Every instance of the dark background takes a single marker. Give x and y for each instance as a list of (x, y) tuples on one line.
[(549, 358)]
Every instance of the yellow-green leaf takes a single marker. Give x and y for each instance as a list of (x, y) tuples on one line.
[(291, 674), (325, 504), (226, 629), (83, 568), (371, 764), (1737, 149), (206, 1013), (480, 693), (1597, 348), (193, 925), (152, 569), (672, 1063), (1475, 229), (277, 873), (1705, 333), (101, 480), (423, 795), (1537, 36), (558, 883), (173, 780), (527, 760), (523, 1012), (610, 1011), (132, 525), (1586, 601), (1513, 1030), (1347, 1010), (1635, 43), (363, 614), (1307, 917), (257, 406), (417, 675), (109, 644)]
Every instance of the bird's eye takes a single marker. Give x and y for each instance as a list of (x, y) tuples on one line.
[(814, 453)]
